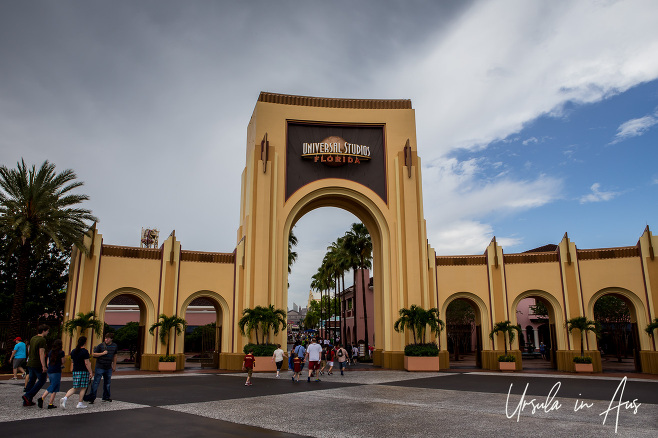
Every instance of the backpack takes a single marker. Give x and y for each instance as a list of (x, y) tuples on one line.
[(340, 353)]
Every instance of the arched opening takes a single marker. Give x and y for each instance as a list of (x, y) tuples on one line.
[(464, 333), (367, 213), (537, 314), (618, 338), (126, 315), (323, 283), (203, 340)]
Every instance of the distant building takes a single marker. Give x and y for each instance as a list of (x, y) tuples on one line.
[(352, 308)]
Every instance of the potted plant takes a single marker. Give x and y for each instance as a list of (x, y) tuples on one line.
[(166, 324), (265, 320), (506, 361), (582, 363), (420, 356)]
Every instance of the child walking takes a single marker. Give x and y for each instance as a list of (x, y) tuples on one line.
[(296, 367), (248, 365), (81, 373), (55, 363)]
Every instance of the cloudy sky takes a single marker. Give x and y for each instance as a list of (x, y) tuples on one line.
[(533, 118)]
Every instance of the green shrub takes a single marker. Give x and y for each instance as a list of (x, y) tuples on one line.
[(260, 349), (170, 358), (508, 358), (422, 350), (582, 359)]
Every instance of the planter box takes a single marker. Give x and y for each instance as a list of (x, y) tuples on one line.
[(166, 367), (584, 367), (264, 364), (507, 366), (413, 363)]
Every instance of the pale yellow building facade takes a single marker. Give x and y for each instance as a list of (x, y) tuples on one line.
[(304, 153)]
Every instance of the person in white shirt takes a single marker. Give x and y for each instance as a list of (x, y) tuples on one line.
[(277, 358), (313, 353)]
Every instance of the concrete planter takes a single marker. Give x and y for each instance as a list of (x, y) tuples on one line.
[(507, 366), (583, 367), (413, 363), (166, 367)]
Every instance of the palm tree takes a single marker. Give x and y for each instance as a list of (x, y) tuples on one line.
[(250, 321), (583, 325), (292, 255), (417, 319), (83, 321), (651, 327), (311, 320), (408, 319), (358, 244), (36, 207), (272, 320), (166, 324), (508, 330)]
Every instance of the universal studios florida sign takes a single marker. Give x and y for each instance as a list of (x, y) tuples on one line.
[(335, 151)]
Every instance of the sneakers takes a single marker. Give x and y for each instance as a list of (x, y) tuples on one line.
[(14, 378), (27, 401), (293, 378), (247, 384), (40, 402), (81, 405), (52, 407), (308, 380), (62, 402), (107, 399)]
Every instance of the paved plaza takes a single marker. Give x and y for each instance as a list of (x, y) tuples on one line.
[(375, 403)]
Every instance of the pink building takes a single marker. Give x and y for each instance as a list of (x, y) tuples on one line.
[(354, 320)]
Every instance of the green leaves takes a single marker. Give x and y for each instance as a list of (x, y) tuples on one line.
[(166, 324), (267, 319), (508, 330), (417, 320), (84, 321)]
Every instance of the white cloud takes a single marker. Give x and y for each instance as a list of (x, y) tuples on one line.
[(467, 237), (597, 195), (634, 128), (458, 200)]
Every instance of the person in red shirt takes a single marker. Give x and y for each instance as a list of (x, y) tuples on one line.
[(297, 367), (248, 365)]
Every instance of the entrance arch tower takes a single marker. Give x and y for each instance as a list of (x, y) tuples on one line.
[(356, 154)]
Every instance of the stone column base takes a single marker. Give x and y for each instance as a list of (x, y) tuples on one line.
[(393, 360), (150, 362), (231, 361), (649, 360), (565, 360)]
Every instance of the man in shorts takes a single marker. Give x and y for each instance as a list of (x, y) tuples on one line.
[(341, 354), (18, 357), (248, 365), (313, 353)]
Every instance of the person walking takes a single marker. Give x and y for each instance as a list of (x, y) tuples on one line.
[(313, 355), (36, 365), (81, 373), (355, 354), (296, 367), (300, 351), (106, 363), (18, 358), (55, 364), (331, 354), (277, 358), (323, 360), (341, 354), (248, 365)]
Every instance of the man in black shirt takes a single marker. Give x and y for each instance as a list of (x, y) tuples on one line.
[(106, 362)]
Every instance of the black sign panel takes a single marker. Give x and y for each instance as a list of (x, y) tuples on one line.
[(316, 151)]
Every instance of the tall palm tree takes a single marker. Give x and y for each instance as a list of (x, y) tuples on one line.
[(292, 255), (37, 206), (84, 322), (166, 324), (311, 320), (508, 330), (583, 325), (359, 245)]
